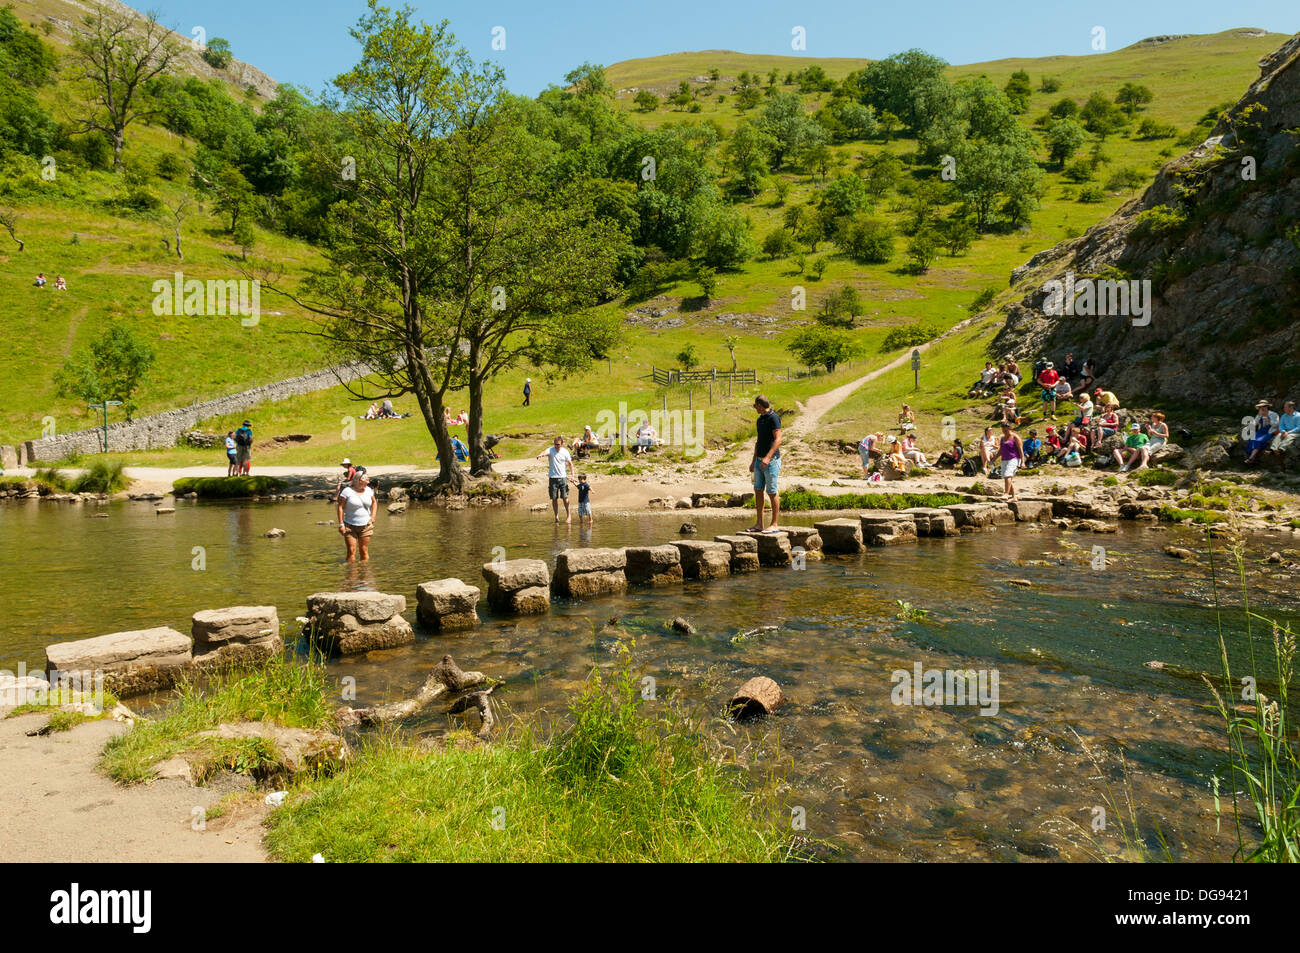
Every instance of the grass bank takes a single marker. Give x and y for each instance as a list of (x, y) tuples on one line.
[(796, 500), (227, 488)]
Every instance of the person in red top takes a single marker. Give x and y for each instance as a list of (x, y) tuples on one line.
[(1053, 439), (1047, 379)]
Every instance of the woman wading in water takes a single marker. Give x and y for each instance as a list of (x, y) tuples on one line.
[(356, 508)]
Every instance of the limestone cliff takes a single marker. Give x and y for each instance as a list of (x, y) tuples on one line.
[(1217, 235)]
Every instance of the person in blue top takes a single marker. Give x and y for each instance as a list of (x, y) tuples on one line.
[(584, 500), (1288, 428), (458, 448), (528, 390), (766, 463)]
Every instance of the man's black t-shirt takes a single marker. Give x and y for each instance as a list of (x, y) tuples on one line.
[(768, 424)]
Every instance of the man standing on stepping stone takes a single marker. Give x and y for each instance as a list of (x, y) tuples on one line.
[(558, 476), (766, 465)]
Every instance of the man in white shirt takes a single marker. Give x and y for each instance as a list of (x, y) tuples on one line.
[(560, 473), (356, 510)]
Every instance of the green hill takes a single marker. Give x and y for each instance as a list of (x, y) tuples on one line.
[(111, 255)]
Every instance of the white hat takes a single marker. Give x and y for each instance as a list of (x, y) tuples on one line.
[(346, 462)]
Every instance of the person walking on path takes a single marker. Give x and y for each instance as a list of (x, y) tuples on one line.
[(528, 391), (766, 463), (558, 477), (232, 461), (244, 449), (1011, 451), (356, 510)]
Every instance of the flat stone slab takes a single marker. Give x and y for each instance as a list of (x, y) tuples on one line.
[(739, 544), (585, 585), (1031, 511), (514, 575), (841, 535), (132, 663), (447, 604), (362, 606), (933, 521), (744, 562), (805, 536), (773, 548), (350, 623), (887, 527), (704, 559), (234, 624), (654, 565), (535, 600), (580, 560), (970, 516)]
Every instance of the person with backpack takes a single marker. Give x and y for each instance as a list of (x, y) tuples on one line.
[(244, 449)]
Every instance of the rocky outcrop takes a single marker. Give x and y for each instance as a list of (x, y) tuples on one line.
[(518, 586), (932, 521), (582, 573), (1214, 236), (447, 605), (653, 565), (349, 623)]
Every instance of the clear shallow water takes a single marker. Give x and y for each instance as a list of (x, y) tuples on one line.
[(878, 780)]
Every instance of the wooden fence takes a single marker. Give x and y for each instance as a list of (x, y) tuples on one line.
[(665, 376)]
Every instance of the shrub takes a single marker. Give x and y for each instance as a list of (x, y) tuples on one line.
[(1091, 194), (869, 240), (227, 488), (910, 335)]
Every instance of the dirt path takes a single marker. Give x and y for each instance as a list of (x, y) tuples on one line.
[(58, 808), (812, 411)]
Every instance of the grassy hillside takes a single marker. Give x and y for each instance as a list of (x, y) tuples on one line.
[(115, 258)]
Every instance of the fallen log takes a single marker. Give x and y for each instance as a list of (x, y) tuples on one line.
[(758, 696), (446, 677)]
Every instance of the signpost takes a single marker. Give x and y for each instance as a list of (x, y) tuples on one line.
[(103, 441), (916, 369)]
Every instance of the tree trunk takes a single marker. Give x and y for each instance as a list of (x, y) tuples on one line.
[(480, 463), (450, 475), (119, 143)]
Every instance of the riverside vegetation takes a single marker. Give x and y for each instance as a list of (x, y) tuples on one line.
[(616, 779)]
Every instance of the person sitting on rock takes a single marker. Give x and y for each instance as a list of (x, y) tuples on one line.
[(1157, 433), (895, 465), (1033, 448), (1136, 444), (988, 447), (1070, 369), (1051, 443), (1259, 432), (1082, 420), (906, 418), (986, 383), (953, 457), (913, 453), (1288, 429), (1107, 425), (1005, 411)]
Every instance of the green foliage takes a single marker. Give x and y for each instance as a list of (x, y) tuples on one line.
[(217, 53), (646, 101), (1018, 90), (1101, 116), (821, 346), (982, 300), (1064, 138), (24, 58), (689, 357), (921, 250), (227, 488), (1091, 193), (868, 240), (1049, 84), (723, 239), (779, 243), (840, 307), (113, 369), (1154, 476), (1132, 96), (910, 335), (1149, 128), (617, 783), (285, 691), (1161, 220), (102, 476), (1126, 178)]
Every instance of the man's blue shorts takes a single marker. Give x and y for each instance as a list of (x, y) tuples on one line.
[(765, 477)]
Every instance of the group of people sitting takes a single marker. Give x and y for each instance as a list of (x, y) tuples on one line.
[(1269, 431), (640, 441), (383, 411), (59, 283)]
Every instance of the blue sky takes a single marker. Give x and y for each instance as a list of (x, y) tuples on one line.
[(308, 43)]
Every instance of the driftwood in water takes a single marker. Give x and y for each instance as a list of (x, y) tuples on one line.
[(758, 696), (446, 677), (478, 701)]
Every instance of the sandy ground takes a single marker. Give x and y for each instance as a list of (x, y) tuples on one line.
[(57, 808)]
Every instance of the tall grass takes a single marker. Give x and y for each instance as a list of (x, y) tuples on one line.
[(285, 690), (795, 500), (1263, 750), (227, 488), (619, 783)]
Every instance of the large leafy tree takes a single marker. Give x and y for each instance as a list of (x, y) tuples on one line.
[(116, 56), (112, 368)]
